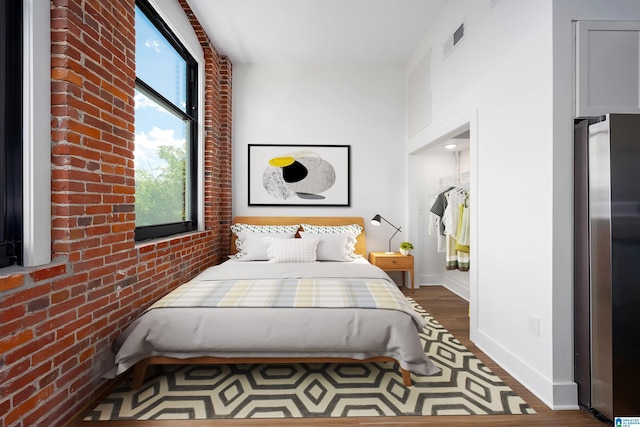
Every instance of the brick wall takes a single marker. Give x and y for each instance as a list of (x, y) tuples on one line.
[(57, 322)]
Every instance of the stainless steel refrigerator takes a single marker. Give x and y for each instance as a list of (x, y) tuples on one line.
[(607, 265)]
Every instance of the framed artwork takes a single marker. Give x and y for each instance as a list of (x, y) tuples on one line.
[(299, 175)]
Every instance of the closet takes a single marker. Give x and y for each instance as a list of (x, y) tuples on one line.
[(444, 173)]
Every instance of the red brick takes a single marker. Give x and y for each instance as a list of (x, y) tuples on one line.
[(23, 394), (47, 352), (94, 326), (26, 295), (93, 78), (12, 313), (67, 305), (45, 409), (29, 348), (11, 282), (38, 304), (71, 328), (15, 370), (48, 273), (4, 407), (48, 379), (66, 75), (22, 323), (27, 405), (69, 281), (15, 340)]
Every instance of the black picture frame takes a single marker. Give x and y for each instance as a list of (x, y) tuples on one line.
[(299, 175)]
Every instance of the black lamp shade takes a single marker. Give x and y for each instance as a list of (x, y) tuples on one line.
[(376, 220)]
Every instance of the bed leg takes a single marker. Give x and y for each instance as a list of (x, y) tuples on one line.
[(406, 377), (139, 372)]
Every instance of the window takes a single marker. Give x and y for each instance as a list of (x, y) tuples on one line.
[(165, 141), (10, 133)]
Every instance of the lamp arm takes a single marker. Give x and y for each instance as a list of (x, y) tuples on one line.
[(397, 230), (376, 221), (385, 220)]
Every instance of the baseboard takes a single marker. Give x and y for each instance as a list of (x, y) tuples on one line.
[(429, 280), (456, 286), (557, 396)]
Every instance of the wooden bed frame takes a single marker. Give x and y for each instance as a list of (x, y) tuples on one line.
[(140, 369)]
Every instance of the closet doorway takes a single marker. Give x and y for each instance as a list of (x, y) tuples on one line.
[(444, 161)]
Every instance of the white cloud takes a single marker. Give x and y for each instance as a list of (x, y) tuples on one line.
[(147, 147), (153, 44), (143, 101)]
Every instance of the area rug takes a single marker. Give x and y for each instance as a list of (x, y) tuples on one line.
[(464, 387)]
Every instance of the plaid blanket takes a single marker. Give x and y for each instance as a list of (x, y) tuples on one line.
[(283, 293)]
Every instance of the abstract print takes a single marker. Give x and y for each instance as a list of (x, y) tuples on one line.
[(302, 174)]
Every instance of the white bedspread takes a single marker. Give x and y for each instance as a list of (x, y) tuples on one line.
[(358, 333)]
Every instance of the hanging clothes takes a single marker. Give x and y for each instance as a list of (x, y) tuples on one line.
[(450, 221), (451, 212), (438, 207), (462, 238)]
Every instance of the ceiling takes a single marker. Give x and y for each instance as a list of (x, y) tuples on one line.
[(316, 31)]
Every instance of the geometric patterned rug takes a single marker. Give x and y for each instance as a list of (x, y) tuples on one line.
[(464, 387)]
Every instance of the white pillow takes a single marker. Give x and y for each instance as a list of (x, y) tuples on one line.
[(253, 248), (291, 250), (333, 247), (355, 229)]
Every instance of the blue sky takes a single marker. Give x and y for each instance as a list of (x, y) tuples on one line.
[(160, 66)]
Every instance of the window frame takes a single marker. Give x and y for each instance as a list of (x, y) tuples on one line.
[(190, 115), (11, 119)]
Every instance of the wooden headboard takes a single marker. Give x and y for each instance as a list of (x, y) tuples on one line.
[(361, 243)]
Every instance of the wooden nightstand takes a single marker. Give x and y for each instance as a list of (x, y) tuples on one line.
[(394, 262)]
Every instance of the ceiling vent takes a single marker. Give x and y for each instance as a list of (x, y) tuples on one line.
[(453, 40)]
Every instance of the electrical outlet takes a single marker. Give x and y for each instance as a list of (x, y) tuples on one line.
[(534, 325)]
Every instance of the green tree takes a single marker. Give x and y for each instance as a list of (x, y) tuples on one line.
[(160, 192)]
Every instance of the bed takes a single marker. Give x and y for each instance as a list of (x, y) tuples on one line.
[(299, 306)]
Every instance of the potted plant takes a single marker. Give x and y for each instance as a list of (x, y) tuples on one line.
[(405, 247)]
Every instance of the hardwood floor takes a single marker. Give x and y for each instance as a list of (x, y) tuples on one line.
[(451, 311)]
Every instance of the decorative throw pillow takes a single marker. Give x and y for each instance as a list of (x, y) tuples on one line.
[(253, 248), (291, 250), (355, 229), (333, 247), (238, 227)]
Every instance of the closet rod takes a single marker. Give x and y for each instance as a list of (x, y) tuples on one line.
[(455, 179)]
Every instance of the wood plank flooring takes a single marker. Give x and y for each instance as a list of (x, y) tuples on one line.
[(451, 311)]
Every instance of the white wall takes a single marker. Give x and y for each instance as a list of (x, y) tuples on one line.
[(514, 69), (361, 106), (503, 70)]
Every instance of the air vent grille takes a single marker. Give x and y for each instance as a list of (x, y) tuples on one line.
[(453, 40)]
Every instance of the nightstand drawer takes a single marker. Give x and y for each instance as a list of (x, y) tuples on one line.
[(394, 262)]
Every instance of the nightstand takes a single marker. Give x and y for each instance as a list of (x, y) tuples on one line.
[(394, 262)]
